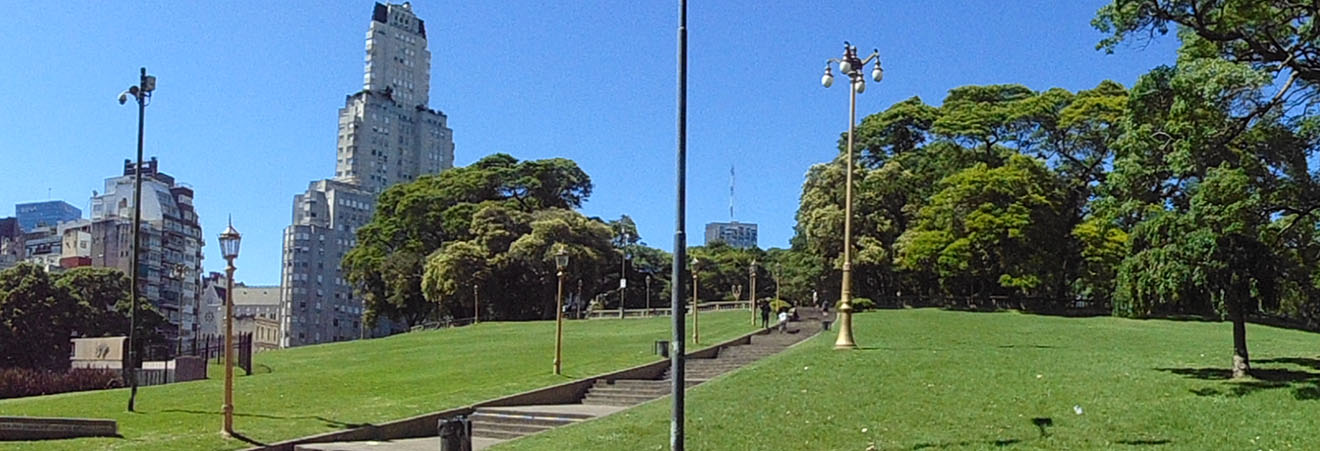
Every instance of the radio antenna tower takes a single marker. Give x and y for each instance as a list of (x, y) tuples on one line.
[(731, 181)]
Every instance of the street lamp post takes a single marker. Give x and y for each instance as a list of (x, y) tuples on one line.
[(142, 94), (476, 306), (648, 294), (229, 241), (696, 308), (751, 271), (561, 261), (777, 273), (623, 273), (677, 365), (851, 66)]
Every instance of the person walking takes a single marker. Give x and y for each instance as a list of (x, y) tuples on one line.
[(765, 314), (783, 320)]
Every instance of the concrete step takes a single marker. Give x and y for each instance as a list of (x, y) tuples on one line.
[(504, 430), (479, 418), (615, 401), (607, 390), (634, 383), (755, 352), (500, 435), (619, 397)]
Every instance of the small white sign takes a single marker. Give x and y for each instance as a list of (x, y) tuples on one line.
[(623, 283)]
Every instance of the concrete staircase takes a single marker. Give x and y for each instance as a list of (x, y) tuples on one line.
[(497, 424), (492, 425)]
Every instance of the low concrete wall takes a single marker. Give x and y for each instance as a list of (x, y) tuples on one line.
[(426, 425), (39, 428)]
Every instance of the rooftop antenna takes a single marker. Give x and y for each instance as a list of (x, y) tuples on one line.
[(731, 183)]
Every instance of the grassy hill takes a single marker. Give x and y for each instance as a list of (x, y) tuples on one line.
[(928, 379), (303, 391)]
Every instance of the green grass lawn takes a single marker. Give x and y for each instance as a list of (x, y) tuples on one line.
[(309, 390), (929, 379)]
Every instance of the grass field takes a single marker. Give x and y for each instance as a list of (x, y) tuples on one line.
[(928, 379), (303, 391)]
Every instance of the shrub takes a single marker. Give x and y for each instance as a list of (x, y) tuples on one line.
[(778, 304), (862, 304), (20, 382)]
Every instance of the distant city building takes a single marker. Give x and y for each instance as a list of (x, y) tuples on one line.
[(319, 303), (49, 213), (257, 310), (49, 245), (11, 242), (387, 135), (171, 242), (210, 319), (735, 234)]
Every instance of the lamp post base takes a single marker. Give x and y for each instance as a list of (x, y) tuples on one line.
[(845, 340), (228, 429)]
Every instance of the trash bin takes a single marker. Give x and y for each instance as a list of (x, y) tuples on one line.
[(825, 323), (662, 348), (454, 434)]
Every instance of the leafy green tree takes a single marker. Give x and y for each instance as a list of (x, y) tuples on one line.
[(413, 220), (516, 249), (1267, 34), (34, 319), (1211, 173), (102, 297), (988, 230)]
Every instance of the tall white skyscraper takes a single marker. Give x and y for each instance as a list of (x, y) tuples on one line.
[(387, 135)]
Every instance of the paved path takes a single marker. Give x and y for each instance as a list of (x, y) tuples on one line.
[(494, 425)]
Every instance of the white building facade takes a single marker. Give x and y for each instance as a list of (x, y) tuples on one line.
[(171, 242)]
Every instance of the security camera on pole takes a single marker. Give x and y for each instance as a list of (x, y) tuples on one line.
[(142, 93)]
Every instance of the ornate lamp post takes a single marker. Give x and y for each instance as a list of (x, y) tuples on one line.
[(476, 305), (142, 93), (561, 261), (648, 294), (229, 241), (851, 66), (696, 310), (751, 271)]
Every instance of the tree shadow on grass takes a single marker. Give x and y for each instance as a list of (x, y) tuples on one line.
[(328, 422), (1145, 442), (963, 444), (244, 438), (1305, 384)]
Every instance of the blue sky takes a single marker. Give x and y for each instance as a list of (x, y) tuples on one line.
[(248, 92)]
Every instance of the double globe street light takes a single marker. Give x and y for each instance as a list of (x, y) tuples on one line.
[(852, 67)]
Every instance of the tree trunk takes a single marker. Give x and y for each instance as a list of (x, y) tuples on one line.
[(1241, 362)]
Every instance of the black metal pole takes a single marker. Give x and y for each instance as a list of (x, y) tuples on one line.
[(131, 373), (680, 243)]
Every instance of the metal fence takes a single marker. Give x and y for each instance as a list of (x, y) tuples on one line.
[(645, 312), (212, 347)]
